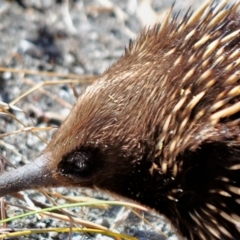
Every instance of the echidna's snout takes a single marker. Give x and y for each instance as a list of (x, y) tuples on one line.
[(33, 175)]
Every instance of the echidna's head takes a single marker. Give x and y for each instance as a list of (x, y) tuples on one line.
[(98, 147)]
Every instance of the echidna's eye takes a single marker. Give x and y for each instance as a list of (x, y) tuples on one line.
[(78, 162)]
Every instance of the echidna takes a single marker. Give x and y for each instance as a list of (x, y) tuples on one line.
[(161, 127)]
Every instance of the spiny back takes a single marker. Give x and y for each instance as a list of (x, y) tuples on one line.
[(179, 80)]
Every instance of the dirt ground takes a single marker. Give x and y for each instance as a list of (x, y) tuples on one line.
[(49, 41)]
